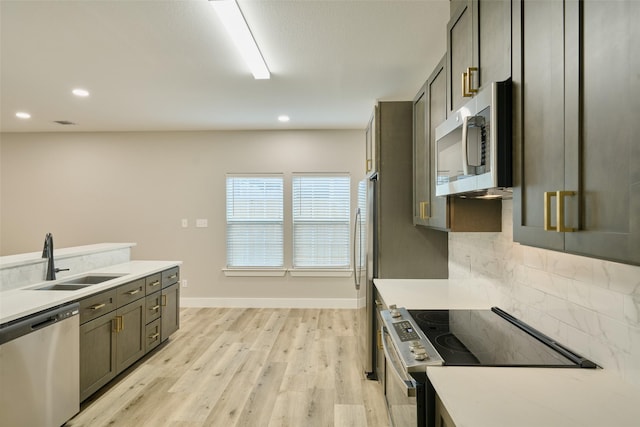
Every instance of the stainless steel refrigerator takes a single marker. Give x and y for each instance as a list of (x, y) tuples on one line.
[(386, 243)]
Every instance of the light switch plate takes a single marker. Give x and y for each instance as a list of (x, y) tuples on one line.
[(202, 223), (185, 222)]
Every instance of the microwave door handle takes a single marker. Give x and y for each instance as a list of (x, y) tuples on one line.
[(465, 153)]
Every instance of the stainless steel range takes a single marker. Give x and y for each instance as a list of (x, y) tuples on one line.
[(415, 339)]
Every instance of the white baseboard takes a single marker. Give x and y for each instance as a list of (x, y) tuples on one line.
[(270, 302)]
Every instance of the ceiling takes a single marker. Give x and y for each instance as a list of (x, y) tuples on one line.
[(157, 65)]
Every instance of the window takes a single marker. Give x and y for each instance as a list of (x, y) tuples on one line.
[(254, 221), (321, 215)]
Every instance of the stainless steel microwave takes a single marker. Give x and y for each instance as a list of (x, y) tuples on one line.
[(473, 146)]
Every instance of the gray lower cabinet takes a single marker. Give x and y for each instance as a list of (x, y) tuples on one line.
[(119, 326), (442, 213), (97, 354), (577, 159), (170, 310)]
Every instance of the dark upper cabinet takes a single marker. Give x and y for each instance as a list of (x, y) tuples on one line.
[(478, 47), (443, 213), (577, 157)]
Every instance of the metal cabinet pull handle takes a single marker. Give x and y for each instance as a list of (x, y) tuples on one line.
[(97, 306), (156, 283), (118, 324), (154, 336), (164, 301), (423, 210), (470, 88), (133, 292), (559, 195), (174, 276), (155, 308), (368, 166)]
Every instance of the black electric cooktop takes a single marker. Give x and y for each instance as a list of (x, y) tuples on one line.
[(492, 338)]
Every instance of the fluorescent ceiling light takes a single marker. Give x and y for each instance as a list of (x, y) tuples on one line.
[(231, 17), (283, 118), (23, 115)]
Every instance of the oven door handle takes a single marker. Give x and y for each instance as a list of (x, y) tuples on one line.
[(410, 384)]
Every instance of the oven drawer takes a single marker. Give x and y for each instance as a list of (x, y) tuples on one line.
[(400, 389)]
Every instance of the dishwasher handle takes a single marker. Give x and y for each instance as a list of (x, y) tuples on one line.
[(25, 325)]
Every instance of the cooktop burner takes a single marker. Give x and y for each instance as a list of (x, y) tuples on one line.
[(430, 317)]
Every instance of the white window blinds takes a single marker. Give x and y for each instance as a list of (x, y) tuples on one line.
[(255, 221), (321, 214)]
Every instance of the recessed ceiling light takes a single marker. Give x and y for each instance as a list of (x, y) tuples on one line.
[(23, 115), (80, 92), (283, 118)]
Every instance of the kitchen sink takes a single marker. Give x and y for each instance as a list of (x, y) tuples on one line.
[(77, 283)]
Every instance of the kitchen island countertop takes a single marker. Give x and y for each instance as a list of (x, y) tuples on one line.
[(515, 397), (24, 301)]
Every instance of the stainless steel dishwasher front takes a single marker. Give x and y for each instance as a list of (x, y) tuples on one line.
[(40, 368)]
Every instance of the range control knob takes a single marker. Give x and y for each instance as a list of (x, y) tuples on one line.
[(420, 354), (415, 345), (395, 313)]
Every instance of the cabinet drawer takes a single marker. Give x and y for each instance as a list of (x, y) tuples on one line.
[(97, 305), (130, 292), (153, 283), (152, 335), (153, 307), (171, 276)]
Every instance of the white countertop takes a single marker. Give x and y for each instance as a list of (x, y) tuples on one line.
[(36, 257), (17, 303), (515, 397), (535, 397)]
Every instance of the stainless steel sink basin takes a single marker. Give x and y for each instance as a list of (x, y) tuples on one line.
[(61, 287), (77, 283)]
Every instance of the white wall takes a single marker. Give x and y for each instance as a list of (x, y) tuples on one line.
[(136, 187), (590, 305)]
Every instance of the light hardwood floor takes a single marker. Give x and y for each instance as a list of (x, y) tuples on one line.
[(246, 367)]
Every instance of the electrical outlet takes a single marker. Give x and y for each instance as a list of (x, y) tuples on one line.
[(184, 283), (185, 222), (202, 223)]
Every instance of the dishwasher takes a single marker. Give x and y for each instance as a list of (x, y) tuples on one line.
[(40, 368)]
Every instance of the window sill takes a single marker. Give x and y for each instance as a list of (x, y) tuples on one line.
[(320, 272), (254, 272), (293, 272)]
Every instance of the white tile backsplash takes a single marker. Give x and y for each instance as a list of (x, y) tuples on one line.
[(590, 305)]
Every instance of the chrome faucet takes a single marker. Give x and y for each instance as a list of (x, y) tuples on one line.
[(47, 252)]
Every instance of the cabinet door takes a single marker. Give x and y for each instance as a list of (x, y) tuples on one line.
[(462, 50), (97, 354), (494, 32), (539, 150), (437, 113), (602, 129), (421, 175), (130, 330), (170, 310)]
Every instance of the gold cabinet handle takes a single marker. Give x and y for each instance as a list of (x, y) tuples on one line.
[(97, 306), (559, 195), (368, 165), (423, 210), (133, 292), (467, 82), (174, 276), (155, 308), (156, 283), (470, 87), (154, 336), (164, 301), (380, 340), (118, 324)]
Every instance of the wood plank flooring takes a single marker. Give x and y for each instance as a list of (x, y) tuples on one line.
[(246, 367)]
